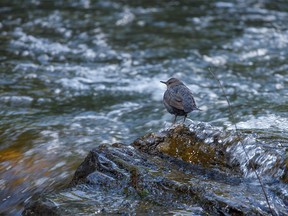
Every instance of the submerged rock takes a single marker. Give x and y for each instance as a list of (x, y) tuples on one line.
[(179, 171)]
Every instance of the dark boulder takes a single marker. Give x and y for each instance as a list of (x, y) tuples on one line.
[(173, 172)]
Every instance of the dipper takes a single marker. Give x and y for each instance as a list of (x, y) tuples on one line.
[(178, 99)]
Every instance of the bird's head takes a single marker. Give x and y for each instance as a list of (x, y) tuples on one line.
[(172, 82)]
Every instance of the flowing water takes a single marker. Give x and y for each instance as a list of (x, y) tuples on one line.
[(76, 74)]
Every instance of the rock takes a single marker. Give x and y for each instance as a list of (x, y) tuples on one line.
[(180, 142), (173, 172), (43, 207)]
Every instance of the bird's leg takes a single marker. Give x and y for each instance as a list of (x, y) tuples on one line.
[(174, 119), (184, 118)]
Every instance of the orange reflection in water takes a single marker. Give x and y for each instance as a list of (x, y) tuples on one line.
[(24, 173)]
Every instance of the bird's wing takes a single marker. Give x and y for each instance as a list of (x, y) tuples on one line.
[(189, 102), (173, 99)]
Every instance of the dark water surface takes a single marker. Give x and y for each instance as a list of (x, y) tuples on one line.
[(76, 74)]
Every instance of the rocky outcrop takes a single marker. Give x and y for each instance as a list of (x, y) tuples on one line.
[(176, 171)]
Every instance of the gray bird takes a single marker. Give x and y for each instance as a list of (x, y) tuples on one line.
[(178, 99)]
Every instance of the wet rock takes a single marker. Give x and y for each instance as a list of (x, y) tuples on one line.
[(180, 142), (43, 207), (173, 172)]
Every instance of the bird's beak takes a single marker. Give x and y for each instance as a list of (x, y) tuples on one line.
[(163, 82)]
